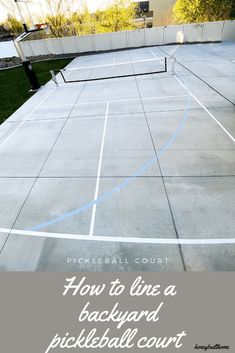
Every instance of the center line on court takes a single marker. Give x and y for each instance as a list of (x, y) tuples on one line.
[(125, 182), (99, 173)]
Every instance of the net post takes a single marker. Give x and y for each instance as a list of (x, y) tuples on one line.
[(165, 64), (54, 79)]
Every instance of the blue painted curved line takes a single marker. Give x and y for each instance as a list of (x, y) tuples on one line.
[(126, 182)]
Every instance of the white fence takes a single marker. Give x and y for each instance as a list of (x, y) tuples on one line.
[(189, 33), (7, 50)]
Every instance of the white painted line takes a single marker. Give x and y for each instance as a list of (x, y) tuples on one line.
[(117, 64), (173, 51), (155, 56), (57, 105), (162, 60), (201, 104), (99, 173), (115, 101), (166, 97), (27, 118), (164, 241), (208, 112), (59, 78)]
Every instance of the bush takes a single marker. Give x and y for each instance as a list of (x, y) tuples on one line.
[(193, 11)]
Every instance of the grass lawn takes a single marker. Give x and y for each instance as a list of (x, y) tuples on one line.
[(14, 85)]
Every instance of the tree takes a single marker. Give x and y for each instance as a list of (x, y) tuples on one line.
[(59, 17), (84, 22), (13, 25), (119, 16), (5, 33), (193, 11), (72, 17), (233, 10), (59, 25)]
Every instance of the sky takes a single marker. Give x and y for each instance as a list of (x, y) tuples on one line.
[(7, 6), (94, 4)]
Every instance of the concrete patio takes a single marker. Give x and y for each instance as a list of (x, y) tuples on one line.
[(133, 159)]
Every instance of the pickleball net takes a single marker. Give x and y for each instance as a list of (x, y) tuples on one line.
[(112, 71)]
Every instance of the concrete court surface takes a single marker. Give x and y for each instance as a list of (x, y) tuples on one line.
[(124, 169)]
